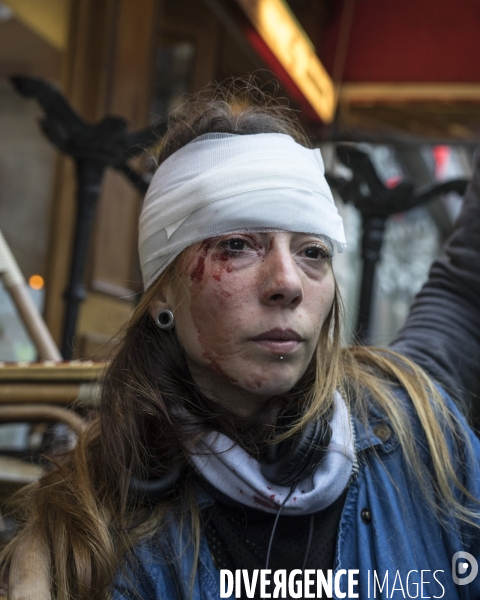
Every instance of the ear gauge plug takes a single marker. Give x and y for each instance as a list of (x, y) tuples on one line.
[(165, 319)]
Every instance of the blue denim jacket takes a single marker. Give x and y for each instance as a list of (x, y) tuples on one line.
[(396, 545)]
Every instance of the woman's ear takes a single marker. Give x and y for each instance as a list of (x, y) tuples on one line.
[(158, 304)]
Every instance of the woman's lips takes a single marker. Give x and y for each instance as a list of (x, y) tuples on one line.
[(277, 347), (279, 341)]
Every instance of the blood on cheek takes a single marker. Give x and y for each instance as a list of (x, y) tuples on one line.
[(207, 305), (217, 307)]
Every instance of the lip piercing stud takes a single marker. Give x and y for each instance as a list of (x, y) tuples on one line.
[(281, 357)]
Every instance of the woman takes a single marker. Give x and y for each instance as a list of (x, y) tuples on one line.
[(235, 432)]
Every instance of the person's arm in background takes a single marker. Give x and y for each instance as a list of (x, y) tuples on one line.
[(442, 330)]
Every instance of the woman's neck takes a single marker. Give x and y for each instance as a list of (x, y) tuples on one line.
[(235, 399)]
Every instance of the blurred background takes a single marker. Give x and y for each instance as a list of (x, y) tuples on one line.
[(398, 81)]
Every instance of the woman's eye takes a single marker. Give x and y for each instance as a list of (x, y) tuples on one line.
[(236, 245), (316, 252)]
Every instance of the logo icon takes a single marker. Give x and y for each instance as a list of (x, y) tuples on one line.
[(461, 567)]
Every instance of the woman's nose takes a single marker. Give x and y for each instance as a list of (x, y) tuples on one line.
[(281, 283)]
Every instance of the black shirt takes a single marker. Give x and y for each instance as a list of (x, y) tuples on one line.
[(238, 536)]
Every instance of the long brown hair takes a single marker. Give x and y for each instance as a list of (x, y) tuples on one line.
[(83, 510)]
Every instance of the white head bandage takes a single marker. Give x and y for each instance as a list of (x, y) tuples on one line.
[(220, 183)]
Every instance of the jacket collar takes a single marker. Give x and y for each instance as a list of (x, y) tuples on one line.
[(376, 433)]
